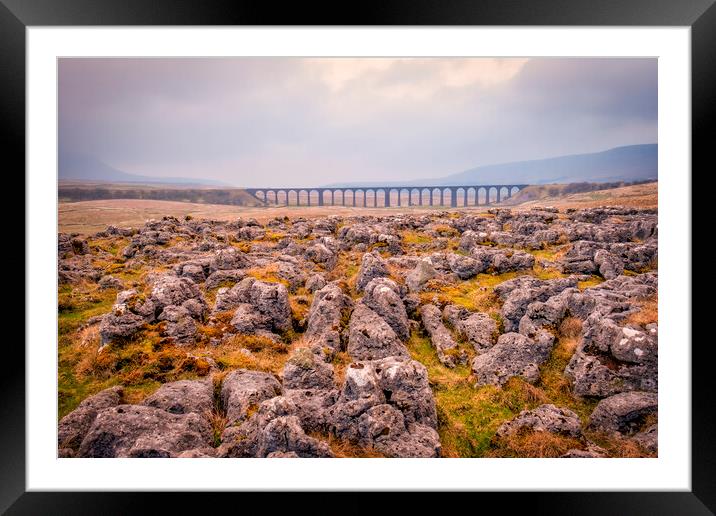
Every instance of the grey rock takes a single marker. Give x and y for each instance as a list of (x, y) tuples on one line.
[(381, 296), (372, 266), (421, 274), (141, 431), (327, 310), (242, 389), (513, 355), (304, 370), (183, 397), (545, 418), (624, 412), (477, 327), (75, 425), (370, 337), (610, 266), (315, 283), (321, 254), (442, 340)]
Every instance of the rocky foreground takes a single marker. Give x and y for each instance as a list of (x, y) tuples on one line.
[(506, 333)]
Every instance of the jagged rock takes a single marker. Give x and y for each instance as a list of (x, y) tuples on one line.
[(106, 282), (381, 296), (421, 274), (442, 340), (169, 290), (304, 371), (648, 438), (611, 359), (321, 254), (520, 292), (398, 386), (372, 266), (624, 412), (370, 337), (315, 283), (183, 397), (243, 389), (323, 330), (477, 327), (545, 418), (75, 425), (217, 278), (513, 355), (181, 328), (609, 266), (141, 431), (383, 428), (273, 428), (259, 305), (465, 267), (470, 239)]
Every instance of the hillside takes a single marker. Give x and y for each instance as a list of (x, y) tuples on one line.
[(630, 163), (80, 167)]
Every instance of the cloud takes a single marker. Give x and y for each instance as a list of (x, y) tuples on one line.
[(289, 121)]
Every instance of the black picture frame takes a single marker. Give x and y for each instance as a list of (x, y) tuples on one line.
[(16, 15)]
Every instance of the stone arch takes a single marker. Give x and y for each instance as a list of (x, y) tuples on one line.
[(460, 197), (424, 196), (326, 197), (446, 196), (292, 198), (369, 198), (359, 197), (393, 195), (435, 196), (514, 190), (492, 194), (281, 197), (380, 197)]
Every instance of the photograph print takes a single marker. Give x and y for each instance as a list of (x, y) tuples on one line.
[(357, 257)]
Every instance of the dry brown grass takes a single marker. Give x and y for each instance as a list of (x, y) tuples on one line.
[(648, 312), (571, 328), (532, 444), (618, 446), (345, 449)]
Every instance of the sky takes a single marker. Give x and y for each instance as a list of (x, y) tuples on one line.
[(314, 121)]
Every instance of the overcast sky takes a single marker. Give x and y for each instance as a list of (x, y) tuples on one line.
[(291, 121)]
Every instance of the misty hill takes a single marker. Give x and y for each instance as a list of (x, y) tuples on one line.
[(628, 164), (80, 167)]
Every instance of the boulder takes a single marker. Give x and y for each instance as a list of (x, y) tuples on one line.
[(381, 296), (325, 317), (609, 265), (421, 274), (243, 389), (74, 426), (442, 340), (304, 370), (513, 355), (142, 431), (184, 397), (624, 412), (478, 328), (545, 418), (372, 266), (370, 337)]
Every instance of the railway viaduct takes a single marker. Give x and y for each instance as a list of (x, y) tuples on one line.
[(383, 196)]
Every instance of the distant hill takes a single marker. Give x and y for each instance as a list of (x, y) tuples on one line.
[(628, 164), (80, 167)]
